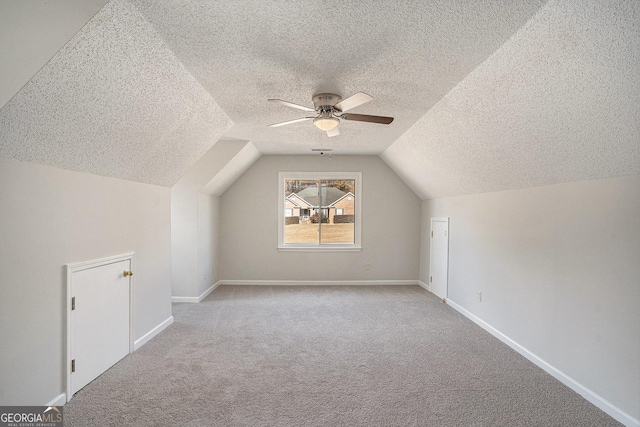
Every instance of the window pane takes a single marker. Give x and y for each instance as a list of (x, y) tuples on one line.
[(337, 194), (319, 212), (301, 196)]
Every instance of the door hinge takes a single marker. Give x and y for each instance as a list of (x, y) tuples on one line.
[(432, 234), (73, 365), (73, 303), (430, 279)]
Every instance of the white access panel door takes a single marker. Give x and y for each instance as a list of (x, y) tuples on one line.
[(439, 257), (99, 321)]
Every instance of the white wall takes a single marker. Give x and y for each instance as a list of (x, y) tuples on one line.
[(559, 268), (208, 241), (249, 225), (184, 240), (193, 252), (50, 217)]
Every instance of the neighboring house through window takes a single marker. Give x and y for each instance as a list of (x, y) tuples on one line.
[(319, 211)]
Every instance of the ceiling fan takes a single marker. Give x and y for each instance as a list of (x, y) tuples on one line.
[(330, 109)]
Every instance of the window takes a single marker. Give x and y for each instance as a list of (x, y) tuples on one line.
[(329, 211)]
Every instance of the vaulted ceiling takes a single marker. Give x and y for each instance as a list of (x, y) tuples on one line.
[(486, 95)]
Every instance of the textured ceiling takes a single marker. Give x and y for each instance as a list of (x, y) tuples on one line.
[(558, 102), (114, 101), (406, 54), (486, 95), (32, 32)]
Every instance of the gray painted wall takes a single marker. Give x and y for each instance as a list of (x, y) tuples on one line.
[(50, 217), (249, 225), (559, 268)]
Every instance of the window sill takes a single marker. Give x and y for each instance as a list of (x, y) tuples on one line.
[(319, 248)]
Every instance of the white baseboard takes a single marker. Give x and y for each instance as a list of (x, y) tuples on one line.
[(208, 291), (199, 297), (185, 299), (317, 282), (59, 400), (589, 395), (152, 333), (424, 285)]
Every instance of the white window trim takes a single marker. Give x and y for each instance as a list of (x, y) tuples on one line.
[(331, 247)]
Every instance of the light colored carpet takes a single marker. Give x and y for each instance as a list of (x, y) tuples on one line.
[(326, 356)]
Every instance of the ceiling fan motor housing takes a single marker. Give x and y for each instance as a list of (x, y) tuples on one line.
[(325, 101)]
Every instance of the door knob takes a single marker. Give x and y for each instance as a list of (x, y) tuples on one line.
[(127, 273)]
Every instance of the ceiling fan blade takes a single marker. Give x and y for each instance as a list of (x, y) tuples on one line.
[(292, 105), (366, 118), (353, 101), (289, 122), (333, 132)]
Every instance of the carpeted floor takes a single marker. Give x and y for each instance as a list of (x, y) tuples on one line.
[(326, 356)]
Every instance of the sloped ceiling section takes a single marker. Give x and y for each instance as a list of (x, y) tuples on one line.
[(406, 54), (114, 101), (210, 164), (232, 170), (558, 102), (31, 32)]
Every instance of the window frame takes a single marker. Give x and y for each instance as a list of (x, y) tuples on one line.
[(321, 247)]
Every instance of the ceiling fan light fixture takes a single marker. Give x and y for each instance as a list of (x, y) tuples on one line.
[(326, 123)]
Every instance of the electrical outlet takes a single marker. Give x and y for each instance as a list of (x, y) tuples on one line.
[(479, 296), (367, 266)]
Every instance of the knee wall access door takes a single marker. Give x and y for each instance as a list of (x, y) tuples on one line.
[(99, 317)]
